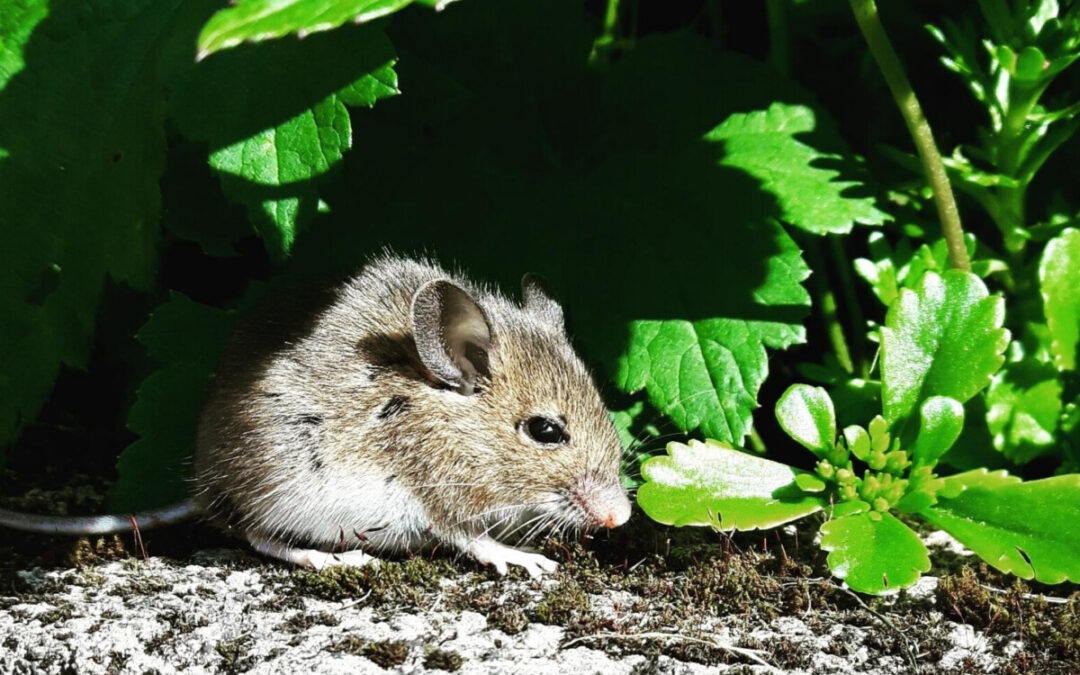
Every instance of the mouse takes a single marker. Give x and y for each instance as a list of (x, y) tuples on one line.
[(413, 409)]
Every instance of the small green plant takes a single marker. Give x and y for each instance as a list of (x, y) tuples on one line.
[(941, 344)]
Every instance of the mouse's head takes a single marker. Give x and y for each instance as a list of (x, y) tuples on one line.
[(537, 447)]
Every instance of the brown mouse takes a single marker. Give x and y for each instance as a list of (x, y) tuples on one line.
[(414, 409)]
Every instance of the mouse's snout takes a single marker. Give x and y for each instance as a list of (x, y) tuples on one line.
[(604, 504)]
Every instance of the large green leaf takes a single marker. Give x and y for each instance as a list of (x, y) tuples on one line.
[(186, 338), (713, 484), (1030, 529), (704, 374), (1059, 281), (256, 20), (942, 339), (662, 255), (81, 152), (874, 552), (288, 125), (1023, 405), (763, 144)]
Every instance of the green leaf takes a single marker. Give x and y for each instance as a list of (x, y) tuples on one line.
[(806, 413), (762, 143), (1059, 282), (701, 374), (713, 484), (874, 552), (82, 150), (1023, 406), (256, 20), (536, 138), (941, 419), (186, 338), (942, 339), (1030, 529), (269, 149)]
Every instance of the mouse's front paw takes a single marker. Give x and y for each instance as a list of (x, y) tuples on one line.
[(490, 552)]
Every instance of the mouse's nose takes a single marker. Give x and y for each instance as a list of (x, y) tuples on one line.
[(618, 511)]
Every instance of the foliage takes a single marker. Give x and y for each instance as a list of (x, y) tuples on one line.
[(941, 343), (698, 209)]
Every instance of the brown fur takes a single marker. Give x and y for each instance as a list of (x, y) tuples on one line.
[(301, 407)]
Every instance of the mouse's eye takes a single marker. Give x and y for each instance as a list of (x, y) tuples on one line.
[(545, 431)]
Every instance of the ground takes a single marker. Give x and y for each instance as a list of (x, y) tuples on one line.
[(642, 599)]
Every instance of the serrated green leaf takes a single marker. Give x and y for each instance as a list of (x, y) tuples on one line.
[(256, 20), (874, 552), (762, 143), (806, 413), (942, 339), (1023, 405), (701, 374), (713, 484), (941, 419), (1030, 529), (187, 339), (1059, 282), (82, 150), (269, 149)]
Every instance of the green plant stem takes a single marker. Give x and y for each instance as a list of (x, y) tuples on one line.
[(756, 443), (779, 55), (866, 15), (854, 308), (827, 301), (602, 45)]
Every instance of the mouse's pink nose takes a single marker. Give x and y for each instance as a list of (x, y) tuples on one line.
[(617, 513)]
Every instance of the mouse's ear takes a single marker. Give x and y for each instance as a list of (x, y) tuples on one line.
[(452, 333), (541, 301)]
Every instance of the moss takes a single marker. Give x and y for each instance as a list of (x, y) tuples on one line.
[(387, 653), (562, 604), (399, 583), (234, 654), (509, 618), (300, 622), (439, 659), (350, 644), (62, 612)]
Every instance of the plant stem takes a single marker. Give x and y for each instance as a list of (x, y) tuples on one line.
[(827, 302), (779, 55), (756, 443), (602, 45), (866, 16), (854, 309)]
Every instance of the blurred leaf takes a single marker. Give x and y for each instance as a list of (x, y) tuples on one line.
[(1028, 529), (1023, 405), (1059, 282), (255, 20), (81, 153), (806, 414), (942, 339), (874, 552), (713, 484), (186, 338)]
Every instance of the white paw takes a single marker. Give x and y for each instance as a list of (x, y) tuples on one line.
[(320, 560), (499, 556)]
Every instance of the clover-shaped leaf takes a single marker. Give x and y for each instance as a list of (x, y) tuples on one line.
[(713, 484), (941, 421), (806, 413), (874, 552)]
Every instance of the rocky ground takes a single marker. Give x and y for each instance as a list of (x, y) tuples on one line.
[(644, 599)]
